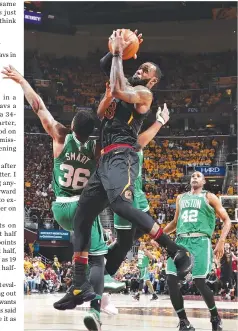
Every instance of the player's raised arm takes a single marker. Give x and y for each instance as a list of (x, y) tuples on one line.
[(106, 61), (221, 212), (119, 87), (56, 130), (171, 227), (162, 117), (105, 102)]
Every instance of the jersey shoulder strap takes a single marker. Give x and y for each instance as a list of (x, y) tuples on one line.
[(67, 139)]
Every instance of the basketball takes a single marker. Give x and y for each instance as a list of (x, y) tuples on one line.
[(133, 48)]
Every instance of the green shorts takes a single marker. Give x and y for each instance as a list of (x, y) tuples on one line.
[(140, 202), (201, 249), (144, 273), (64, 215)]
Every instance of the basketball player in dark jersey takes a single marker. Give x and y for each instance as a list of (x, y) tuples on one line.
[(113, 181)]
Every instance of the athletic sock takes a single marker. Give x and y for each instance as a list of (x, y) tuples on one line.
[(164, 241), (207, 295), (96, 304), (213, 311), (181, 314), (79, 276)]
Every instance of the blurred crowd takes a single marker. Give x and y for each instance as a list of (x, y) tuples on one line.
[(38, 192), (45, 276), (190, 80)]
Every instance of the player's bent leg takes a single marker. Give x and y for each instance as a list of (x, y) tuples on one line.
[(182, 258), (140, 233), (208, 297), (81, 290), (126, 235), (64, 212), (177, 299)]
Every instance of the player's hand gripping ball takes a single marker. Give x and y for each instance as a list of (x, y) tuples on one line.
[(131, 45)]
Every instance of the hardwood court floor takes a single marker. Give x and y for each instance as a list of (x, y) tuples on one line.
[(133, 316)]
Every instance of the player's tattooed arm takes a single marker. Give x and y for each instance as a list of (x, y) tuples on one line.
[(139, 95), (56, 130), (171, 227), (117, 77)]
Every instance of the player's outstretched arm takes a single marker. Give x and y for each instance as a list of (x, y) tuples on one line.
[(119, 86), (105, 102), (56, 130), (222, 214), (162, 117), (171, 227)]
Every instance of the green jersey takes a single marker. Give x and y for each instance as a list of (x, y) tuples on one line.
[(195, 214), (138, 182), (143, 260), (73, 167)]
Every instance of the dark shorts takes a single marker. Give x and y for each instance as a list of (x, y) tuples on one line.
[(115, 175)]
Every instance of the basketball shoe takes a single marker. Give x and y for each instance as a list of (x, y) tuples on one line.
[(92, 320)]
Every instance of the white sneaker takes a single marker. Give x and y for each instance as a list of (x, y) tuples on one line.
[(106, 305)]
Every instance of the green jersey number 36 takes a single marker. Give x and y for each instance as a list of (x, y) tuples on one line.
[(73, 177), (190, 216)]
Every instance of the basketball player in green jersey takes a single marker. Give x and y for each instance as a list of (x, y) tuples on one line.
[(194, 222), (144, 257), (74, 162)]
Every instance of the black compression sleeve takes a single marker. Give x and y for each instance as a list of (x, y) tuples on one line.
[(105, 63)]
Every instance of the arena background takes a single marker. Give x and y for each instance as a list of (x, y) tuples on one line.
[(195, 46)]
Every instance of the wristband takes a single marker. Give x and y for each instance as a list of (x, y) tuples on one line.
[(116, 55)]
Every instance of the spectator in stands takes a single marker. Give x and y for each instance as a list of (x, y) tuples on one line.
[(26, 247)]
